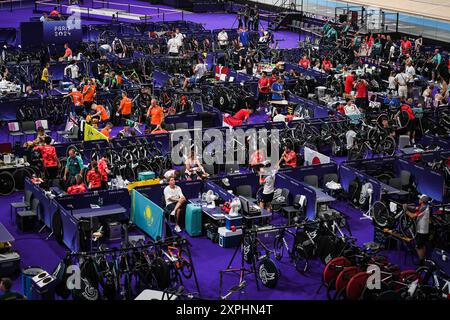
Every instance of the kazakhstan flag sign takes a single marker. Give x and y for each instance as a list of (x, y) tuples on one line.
[(146, 215), (90, 133)]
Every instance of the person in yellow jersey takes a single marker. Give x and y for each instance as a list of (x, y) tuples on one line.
[(45, 80)]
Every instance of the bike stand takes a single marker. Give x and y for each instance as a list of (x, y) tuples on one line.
[(242, 270)]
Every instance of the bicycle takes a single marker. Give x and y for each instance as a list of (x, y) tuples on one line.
[(434, 277), (393, 218)]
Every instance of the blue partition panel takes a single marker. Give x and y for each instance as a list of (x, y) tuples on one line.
[(297, 187)]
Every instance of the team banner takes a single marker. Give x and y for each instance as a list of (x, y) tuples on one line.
[(313, 157), (61, 31), (148, 216), (90, 133)]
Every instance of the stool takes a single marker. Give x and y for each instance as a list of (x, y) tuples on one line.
[(26, 220)]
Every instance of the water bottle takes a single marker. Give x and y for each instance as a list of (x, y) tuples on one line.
[(100, 201), (200, 197)]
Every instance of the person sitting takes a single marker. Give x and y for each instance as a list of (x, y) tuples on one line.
[(239, 118), (106, 131), (194, 169), (94, 177), (351, 109), (278, 117), (256, 160), (44, 17), (126, 132), (7, 293), (78, 187), (305, 62), (39, 141), (175, 200), (172, 173), (288, 158), (99, 112), (159, 130), (198, 72)]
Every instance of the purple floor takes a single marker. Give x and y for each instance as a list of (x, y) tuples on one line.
[(208, 257), (209, 20)]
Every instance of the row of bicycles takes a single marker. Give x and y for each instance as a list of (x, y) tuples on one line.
[(122, 273), (128, 159), (362, 274)]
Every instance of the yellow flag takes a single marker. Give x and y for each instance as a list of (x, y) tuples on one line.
[(90, 133)]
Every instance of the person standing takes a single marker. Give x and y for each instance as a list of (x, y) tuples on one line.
[(418, 43), (256, 19), (104, 170), (94, 177), (77, 101), (246, 16), (243, 37), (387, 47), (268, 181), (222, 38), (172, 46), (361, 94), (74, 166), (89, 92), (405, 45), (67, 53), (421, 214), (155, 114), (175, 200), (100, 112), (278, 89), (45, 81), (263, 88), (118, 47), (349, 81), (126, 105), (49, 158), (402, 80)]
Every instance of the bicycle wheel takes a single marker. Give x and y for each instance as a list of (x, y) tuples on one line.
[(356, 285), (278, 247), (407, 227), (388, 147), (19, 178), (301, 261), (7, 183), (186, 264), (380, 214)]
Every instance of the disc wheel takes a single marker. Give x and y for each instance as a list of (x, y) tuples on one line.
[(7, 184), (380, 214), (278, 248), (19, 178)]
